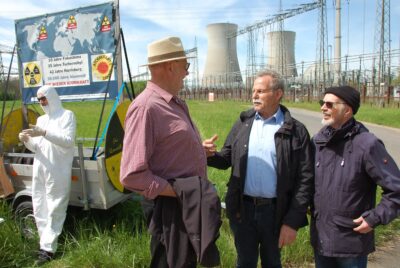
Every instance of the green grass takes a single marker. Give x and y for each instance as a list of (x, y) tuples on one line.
[(117, 237)]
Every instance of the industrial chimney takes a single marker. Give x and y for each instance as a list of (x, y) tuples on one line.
[(281, 52), (222, 66)]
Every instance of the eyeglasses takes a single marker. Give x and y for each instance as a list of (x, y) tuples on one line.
[(186, 66), (329, 104), (41, 99)]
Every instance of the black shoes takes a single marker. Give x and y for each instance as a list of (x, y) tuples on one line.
[(43, 257)]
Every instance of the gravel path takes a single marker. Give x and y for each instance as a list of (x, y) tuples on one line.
[(387, 256)]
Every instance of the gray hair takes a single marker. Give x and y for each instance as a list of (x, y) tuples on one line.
[(277, 80)]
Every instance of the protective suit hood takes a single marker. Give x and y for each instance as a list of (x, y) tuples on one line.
[(54, 105)]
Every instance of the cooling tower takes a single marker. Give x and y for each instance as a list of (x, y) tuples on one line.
[(281, 52), (222, 66)]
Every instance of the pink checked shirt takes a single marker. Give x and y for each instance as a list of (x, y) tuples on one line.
[(160, 143)]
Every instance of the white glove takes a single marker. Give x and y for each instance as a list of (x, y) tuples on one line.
[(23, 137), (34, 131)]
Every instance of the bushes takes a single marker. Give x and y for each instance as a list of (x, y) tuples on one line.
[(7, 96)]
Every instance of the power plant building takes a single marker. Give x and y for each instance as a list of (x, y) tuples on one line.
[(281, 56), (222, 67)]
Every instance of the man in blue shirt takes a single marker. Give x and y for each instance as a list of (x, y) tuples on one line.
[(272, 175)]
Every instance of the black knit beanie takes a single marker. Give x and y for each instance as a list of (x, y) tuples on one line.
[(348, 94)]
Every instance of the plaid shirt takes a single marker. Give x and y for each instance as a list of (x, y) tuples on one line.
[(161, 142)]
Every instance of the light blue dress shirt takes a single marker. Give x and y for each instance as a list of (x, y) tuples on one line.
[(261, 162)]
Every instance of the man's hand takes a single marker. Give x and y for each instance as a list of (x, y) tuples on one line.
[(363, 226), (34, 131), (209, 146), (168, 191), (23, 137), (287, 236)]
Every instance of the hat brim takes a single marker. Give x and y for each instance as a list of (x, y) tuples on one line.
[(167, 60)]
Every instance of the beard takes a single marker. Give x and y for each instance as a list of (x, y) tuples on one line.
[(333, 120), (327, 122)]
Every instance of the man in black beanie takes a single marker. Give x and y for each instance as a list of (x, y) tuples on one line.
[(349, 164)]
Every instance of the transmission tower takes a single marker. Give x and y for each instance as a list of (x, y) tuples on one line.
[(5, 50), (195, 79), (195, 69), (281, 42), (382, 47), (322, 52), (1, 69), (251, 54), (251, 35)]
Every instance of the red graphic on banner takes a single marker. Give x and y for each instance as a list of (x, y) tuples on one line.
[(71, 23), (105, 25), (42, 33)]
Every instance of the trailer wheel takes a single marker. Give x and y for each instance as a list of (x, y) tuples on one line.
[(26, 220)]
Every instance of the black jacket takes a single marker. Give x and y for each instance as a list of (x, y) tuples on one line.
[(294, 168), (350, 163), (192, 220)]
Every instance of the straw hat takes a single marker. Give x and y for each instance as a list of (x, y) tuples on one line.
[(166, 49)]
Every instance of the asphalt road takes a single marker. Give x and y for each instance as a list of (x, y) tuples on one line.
[(386, 256), (389, 136)]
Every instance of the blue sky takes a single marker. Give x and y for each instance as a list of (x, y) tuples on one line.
[(145, 21)]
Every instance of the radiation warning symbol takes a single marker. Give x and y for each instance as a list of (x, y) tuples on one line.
[(42, 33), (105, 25), (113, 147), (101, 67), (71, 23), (32, 74)]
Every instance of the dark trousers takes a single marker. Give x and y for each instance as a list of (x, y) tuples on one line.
[(340, 262), (256, 234)]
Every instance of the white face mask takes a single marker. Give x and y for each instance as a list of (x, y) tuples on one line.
[(46, 109)]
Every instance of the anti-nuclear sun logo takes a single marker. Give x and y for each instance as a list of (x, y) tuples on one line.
[(32, 74), (101, 67)]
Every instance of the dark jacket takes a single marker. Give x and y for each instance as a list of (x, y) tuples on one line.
[(294, 168), (349, 164), (192, 220)]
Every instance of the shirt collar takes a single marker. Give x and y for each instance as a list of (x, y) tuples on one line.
[(162, 92), (277, 117)]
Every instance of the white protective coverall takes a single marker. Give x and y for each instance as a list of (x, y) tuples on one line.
[(51, 179)]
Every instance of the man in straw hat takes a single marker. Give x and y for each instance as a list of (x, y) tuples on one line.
[(163, 159)]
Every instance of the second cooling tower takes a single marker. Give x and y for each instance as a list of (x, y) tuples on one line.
[(281, 56), (222, 66)]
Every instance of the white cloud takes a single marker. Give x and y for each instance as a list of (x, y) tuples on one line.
[(146, 20)]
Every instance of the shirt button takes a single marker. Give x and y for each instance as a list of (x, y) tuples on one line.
[(245, 145)]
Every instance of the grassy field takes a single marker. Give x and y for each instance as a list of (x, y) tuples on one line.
[(118, 237)]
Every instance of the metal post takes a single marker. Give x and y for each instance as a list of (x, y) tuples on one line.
[(85, 200)]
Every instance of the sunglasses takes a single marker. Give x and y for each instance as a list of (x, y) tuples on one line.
[(41, 99), (187, 65), (329, 104)]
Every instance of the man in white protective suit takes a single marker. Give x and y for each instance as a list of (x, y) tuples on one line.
[(52, 140)]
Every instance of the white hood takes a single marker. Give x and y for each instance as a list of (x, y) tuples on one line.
[(54, 105)]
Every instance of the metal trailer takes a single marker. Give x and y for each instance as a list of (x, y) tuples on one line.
[(90, 188)]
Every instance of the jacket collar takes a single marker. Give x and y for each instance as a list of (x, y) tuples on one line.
[(328, 134), (287, 121)]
